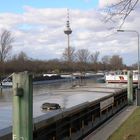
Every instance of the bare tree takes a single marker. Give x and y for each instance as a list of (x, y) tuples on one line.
[(94, 59), (106, 61), (69, 54), (69, 57), (120, 9), (82, 56), (6, 41), (116, 62), (22, 56)]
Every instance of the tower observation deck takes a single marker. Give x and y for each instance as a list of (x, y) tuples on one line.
[(68, 30)]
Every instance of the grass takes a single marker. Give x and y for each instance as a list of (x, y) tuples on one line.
[(130, 129)]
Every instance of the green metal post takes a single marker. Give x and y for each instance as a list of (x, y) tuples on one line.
[(22, 106), (130, 87)]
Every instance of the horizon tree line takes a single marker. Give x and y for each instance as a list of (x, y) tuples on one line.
[(81, 60)]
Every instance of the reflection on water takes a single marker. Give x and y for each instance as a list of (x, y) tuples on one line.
[(44, 89), (47, 93), (41, 89), (6, 95)]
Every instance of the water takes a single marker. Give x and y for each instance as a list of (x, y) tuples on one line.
[(43, 93), (41, 89), (61, 93)]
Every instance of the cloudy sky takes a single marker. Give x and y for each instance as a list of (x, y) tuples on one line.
[(38, 27)]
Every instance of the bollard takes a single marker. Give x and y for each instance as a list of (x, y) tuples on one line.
[(22, 106), (130, 87)]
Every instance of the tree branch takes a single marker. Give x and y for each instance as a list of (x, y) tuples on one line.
[(120, 10)]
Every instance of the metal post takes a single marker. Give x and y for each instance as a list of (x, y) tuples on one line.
[(137, 33), (138, 97), (22, 106), (138, 90), (138, 62), (130, 87)]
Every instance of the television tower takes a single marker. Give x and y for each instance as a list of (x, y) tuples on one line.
[(68, 31)]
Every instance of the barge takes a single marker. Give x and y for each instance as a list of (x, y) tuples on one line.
[(120, 76), (86, 108)]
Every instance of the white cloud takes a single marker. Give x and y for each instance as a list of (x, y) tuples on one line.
[(39, 32), (103, 3)]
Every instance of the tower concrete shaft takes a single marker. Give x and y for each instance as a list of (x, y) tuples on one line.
[(68, 31)]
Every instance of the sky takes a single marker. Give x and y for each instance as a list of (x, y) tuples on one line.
[(38, 28), (18, 5)]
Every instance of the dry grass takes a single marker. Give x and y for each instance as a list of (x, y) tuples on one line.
[(130, 129)]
